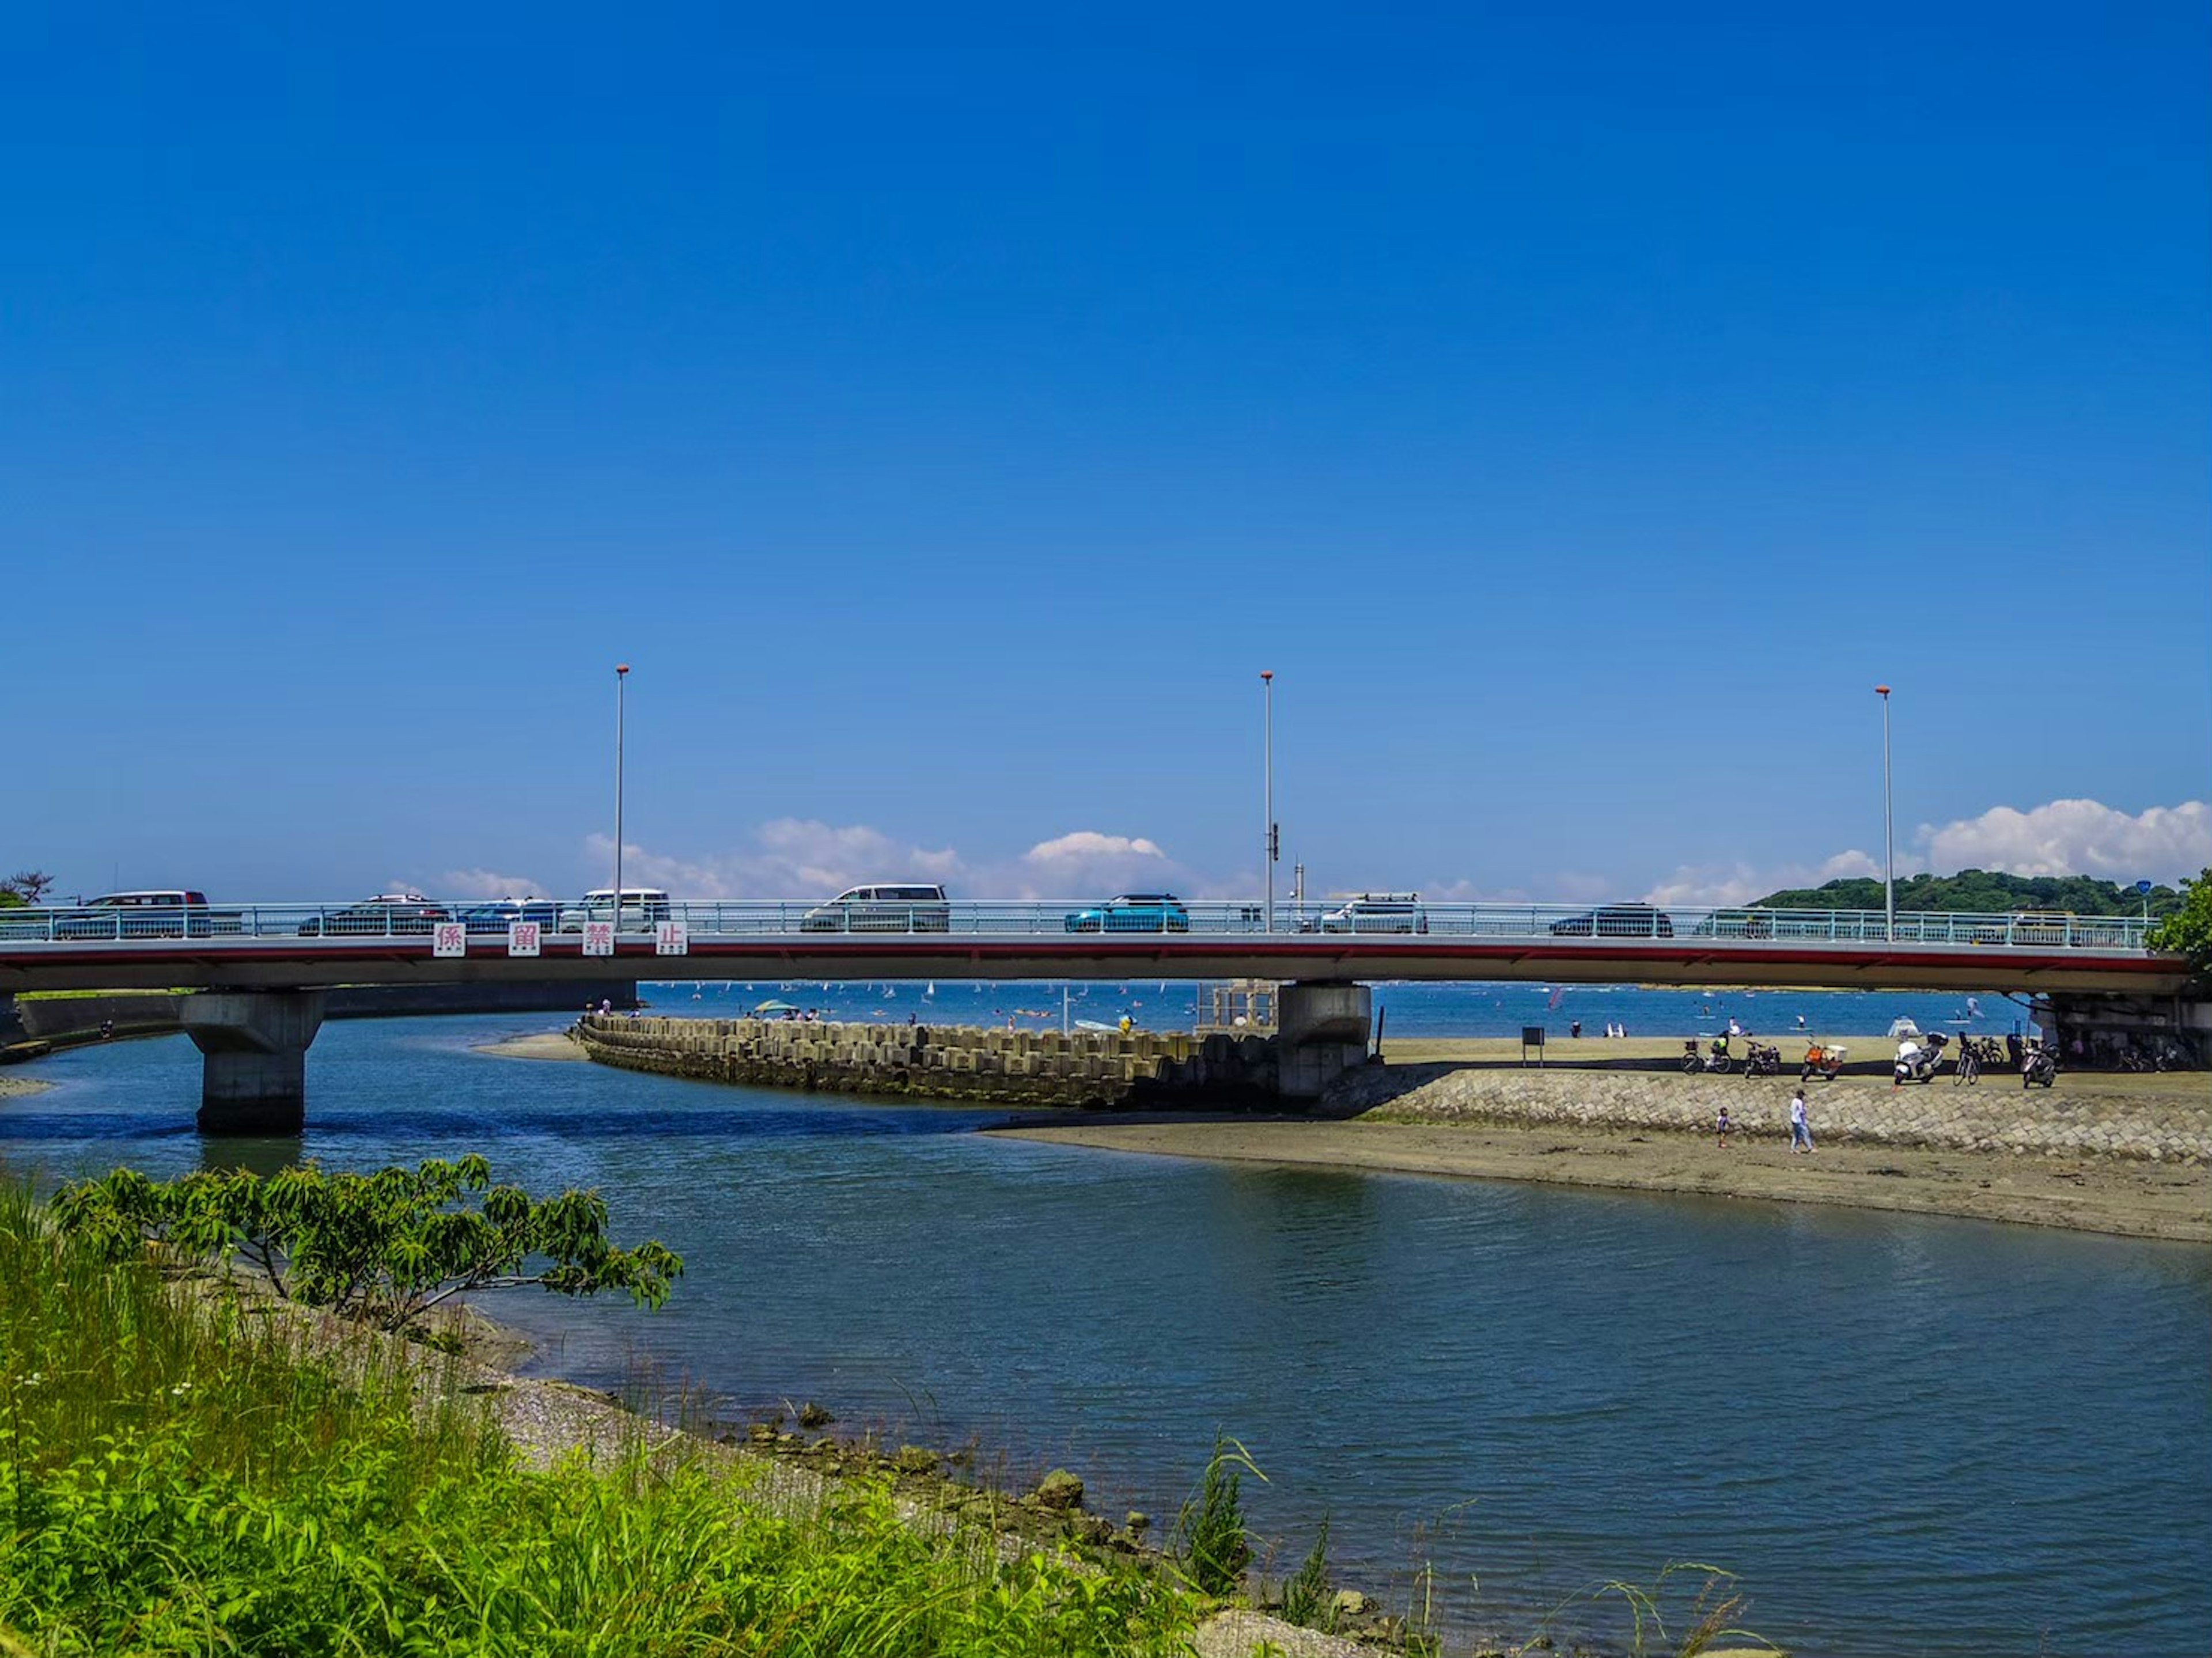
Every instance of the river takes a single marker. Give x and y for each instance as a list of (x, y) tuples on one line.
[(1908, 1435)]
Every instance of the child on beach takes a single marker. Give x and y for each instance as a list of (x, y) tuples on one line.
[(1721, 1128)]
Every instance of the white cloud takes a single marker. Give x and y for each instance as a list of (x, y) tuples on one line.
[(2076, 837), (1090, 843), (483, 884), (2061, 837), (791, 858)]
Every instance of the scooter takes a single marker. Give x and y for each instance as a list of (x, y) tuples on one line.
[(1920, 1064), (1824, 1061), (1719, 1060), (2039, 1064), (1764, 1059)]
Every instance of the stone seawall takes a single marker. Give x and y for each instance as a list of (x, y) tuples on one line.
[(1092, 1069), (62, 1019), (2173, 1125)]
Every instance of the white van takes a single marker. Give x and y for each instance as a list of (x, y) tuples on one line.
[(643, 908), (1375, 912), (905, 908)]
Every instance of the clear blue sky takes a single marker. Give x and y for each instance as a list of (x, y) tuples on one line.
[(1580, 408)]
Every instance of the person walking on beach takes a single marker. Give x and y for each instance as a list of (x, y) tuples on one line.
[(1800, 1132), (1720, 1125)]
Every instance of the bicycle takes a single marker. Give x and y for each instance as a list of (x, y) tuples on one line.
[(1969, 1066)]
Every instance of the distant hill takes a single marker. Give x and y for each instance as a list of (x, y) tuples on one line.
[(1983, 890)]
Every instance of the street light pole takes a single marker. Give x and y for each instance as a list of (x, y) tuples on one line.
[(1268, 768), (1888, 829), (622, 682)]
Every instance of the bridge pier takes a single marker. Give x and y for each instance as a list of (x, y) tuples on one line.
[(254, 1066), (1322, 1031)]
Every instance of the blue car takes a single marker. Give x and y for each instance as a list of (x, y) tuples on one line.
[(1133, 912)]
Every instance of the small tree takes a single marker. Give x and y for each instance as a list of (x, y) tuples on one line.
[(384, 1249), (28, 886), (2188, 931)]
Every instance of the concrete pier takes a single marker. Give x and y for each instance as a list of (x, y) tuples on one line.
[(254, 1075), (1322, 1031)]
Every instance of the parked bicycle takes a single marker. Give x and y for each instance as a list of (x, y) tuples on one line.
[(1969, 1067), (1719, 1060)]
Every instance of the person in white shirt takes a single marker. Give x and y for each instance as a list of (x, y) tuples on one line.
[(1800, 1132)]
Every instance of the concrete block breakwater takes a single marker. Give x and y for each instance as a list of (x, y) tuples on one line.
[(1994, 1117), (1094, 1069)]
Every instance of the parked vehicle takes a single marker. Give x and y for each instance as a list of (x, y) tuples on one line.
[(1372, 912), (169, 914), (385, 914), (1133, 912), (1824, 1061), (643, 908), (1737, 924), (1617, 921), (502, 913), (1969, 1066), (1718, 1059), (2039, 1064), (1762, 1060), (902, 908), (1918, 1059)]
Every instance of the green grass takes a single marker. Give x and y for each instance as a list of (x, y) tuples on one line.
[(181, 1473)]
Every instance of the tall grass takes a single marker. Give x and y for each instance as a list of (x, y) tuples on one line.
[(179, 1474)]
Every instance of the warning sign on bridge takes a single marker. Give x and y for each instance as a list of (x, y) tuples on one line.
[(672, 938), (449, 940), (599, 938), (522, 937)]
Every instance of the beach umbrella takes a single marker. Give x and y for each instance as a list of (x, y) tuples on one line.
[(773, 1007)]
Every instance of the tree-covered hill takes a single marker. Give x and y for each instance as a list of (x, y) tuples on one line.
[(1986, 891)]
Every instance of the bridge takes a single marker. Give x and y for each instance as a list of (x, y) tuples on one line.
[(261, 967)]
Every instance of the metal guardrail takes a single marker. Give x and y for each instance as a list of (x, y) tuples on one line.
[(218, 925)]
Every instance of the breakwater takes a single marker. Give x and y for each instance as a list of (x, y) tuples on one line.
[(2173, 1125), (1096, 1070)]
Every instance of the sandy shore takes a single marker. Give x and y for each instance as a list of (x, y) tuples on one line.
[(2097, 1194), (11, 1087), (546, 1045)]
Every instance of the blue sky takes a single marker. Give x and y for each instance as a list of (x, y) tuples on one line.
[(1579, 409)]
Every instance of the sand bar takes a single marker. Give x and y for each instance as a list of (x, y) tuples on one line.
[(2130, 1197), (542, 1045)]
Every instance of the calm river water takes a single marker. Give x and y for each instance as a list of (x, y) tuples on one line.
[(1910, 1436)]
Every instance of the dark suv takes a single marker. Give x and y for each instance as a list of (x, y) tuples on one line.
[(1617, 921)]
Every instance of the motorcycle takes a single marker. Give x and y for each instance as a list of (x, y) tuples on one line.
[(2040, 1064), (1719, 1060), (1764, 1059), (1919, 1063), (1824, 1061)]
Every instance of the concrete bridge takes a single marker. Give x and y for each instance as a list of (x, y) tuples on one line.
[(262, 967)]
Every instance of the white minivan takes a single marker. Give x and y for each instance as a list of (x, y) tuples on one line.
[(905, 908), (643, 908)]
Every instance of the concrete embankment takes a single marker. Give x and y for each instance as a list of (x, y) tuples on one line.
[(1094, 1069), (2167, 1120)]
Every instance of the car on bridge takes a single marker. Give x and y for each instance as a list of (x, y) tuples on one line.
[(908, 908), (643, 908), (502, 913), (1734, 924), (1372, 912), (164, 915), (1617, 921), (1133, 912), (386, 915)]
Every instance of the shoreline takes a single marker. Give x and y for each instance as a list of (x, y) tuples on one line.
[(2120, 1198)]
